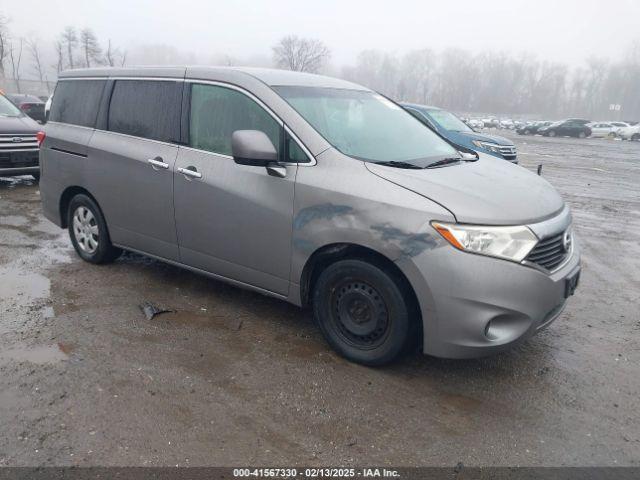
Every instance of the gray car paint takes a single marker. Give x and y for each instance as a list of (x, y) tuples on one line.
[(260, 231)]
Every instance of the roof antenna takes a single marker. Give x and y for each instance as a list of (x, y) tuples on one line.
[(540, 169)]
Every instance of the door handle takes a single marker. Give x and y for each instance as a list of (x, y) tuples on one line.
[(158, 163), (190, 172)]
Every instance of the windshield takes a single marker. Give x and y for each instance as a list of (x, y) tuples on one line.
[(8, 109), (367, 126), (448, 121)]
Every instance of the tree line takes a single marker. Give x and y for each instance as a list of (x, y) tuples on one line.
[(490, 82), (485, 83), (74, 48)]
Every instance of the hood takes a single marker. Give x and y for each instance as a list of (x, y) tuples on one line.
[(489, 191), (23, 124), (483, 137)]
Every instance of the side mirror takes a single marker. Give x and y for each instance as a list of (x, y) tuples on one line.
[(252, 147)]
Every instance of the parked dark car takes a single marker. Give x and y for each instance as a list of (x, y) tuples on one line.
[(573, 127), (459, 133), (532, 128), (19, 152), (29, 104)]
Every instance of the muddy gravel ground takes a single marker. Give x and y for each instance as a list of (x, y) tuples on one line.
[(235, 378)]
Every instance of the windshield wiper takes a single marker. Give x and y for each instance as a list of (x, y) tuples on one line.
[(444, 161), (397, 164)]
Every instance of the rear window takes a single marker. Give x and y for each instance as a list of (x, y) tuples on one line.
[(77, 102), (146, 108)]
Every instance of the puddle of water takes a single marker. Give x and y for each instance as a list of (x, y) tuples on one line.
[(23, 286), (39, 355)]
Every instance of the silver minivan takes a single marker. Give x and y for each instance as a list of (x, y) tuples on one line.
[(314, 190)]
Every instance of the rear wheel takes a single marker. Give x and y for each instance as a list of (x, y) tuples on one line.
[(551, 133), (88, 231), (363, 313), (527, 132), (582, 135), (635, 137)]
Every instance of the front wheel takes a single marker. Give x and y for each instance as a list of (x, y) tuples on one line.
[(582, 135), (635, 137), (88, 231), (551, 133), (363, 313)]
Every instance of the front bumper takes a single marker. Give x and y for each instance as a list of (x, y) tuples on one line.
[(474, 305), (509, 156), (19, 162)]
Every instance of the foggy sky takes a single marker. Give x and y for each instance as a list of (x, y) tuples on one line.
[(562, 30)]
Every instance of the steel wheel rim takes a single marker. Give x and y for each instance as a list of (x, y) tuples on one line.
[(85, 229), (359, 314)]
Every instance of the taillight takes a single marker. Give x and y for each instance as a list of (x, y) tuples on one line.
[(25, 106), (40, 136)]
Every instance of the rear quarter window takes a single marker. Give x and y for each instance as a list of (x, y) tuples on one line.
[(77, 102), (146, 108)]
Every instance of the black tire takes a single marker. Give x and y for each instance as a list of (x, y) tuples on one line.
[(635, 137), (582, 135), (527, 132), (98, 248), (551, 133), (362, 312)]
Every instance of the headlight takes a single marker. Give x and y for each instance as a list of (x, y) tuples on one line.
[(511, 243), (493, 147)]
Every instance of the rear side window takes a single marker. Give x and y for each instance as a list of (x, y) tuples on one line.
[(77, 102), (217, 112), (146, 108)]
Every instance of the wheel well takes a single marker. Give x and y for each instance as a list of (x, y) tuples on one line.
[(65, 199), (325, 256)]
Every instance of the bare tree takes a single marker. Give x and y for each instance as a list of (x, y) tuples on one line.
[(34, 51), (417, 75), (109, 55), (69, 40), (15, 55), (90, 48), (113, 56), (4, 42), (60, 57), (300, 54)]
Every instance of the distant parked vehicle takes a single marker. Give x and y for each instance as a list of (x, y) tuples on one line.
[(29, 104), (602, 129), (630, 133), (490, 122), (507, 123), (573, 127), (532, 128), (476, 123), (456, 131)]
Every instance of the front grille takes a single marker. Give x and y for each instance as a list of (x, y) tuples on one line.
[(18, 142), (551, 251), (18, 151), (508, 152)]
